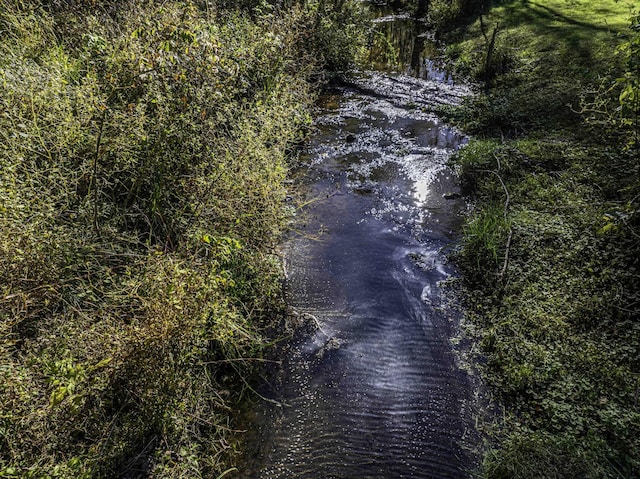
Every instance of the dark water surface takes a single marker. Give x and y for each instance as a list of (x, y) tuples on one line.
[(371, 389)]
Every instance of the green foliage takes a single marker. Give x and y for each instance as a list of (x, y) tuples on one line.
[(382, 51), (444, 15), (485, 234), (613, 106), (143, 156), (547, 50), (612, 110), (630, 81), (558, 329), (338, 28), (442, 12), (554, 314)]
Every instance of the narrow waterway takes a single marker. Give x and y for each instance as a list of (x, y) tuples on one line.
[(370, 387)]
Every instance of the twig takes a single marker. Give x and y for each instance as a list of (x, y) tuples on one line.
[(483, 29), (272, 401), (631, 230), (506, 256), (489, 58), (316, 199), (144, 451), (261, 360), (233, 469), (506, 192)]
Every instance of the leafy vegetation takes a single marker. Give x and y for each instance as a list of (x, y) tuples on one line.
[(143, 156), (550, 253)]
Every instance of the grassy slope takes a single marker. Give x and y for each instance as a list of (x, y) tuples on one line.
[(559, 327), (143, 154), (551, 49)]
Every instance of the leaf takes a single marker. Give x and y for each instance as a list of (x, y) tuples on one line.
[(103, 363), (624, 94), (609, 227), (58, 396)]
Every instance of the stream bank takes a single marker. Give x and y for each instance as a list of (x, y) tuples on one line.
[(551, 254)]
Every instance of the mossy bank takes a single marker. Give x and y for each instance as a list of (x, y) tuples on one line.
[(550, 255), (143, 157)]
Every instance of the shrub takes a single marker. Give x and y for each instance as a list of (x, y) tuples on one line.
[(143, 156)]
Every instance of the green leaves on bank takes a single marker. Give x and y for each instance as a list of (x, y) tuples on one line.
[(552, 282)]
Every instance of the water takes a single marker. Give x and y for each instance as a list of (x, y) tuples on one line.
[(399, 41), (369, 387)]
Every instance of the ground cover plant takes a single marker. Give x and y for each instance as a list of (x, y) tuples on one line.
[(550, 255), (143, 155)]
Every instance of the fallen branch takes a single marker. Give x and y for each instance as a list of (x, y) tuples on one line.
[(96, 155), (506, 256), (230, 360)]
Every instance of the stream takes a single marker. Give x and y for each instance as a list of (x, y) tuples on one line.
[(369, 386)]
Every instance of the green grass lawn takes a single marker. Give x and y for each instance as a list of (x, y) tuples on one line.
[(547, 51)]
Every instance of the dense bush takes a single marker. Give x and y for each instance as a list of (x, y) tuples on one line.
[(144, 148)]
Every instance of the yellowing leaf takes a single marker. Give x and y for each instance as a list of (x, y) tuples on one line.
[(103, 363)]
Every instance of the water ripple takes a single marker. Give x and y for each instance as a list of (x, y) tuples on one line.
[(373, 391)]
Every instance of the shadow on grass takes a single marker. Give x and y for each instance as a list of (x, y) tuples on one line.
[(554, 15), (574, 41), (554, 54)]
